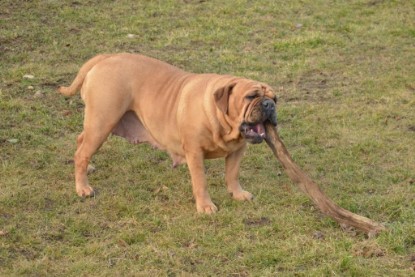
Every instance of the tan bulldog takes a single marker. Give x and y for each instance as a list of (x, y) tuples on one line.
[(191, 116)]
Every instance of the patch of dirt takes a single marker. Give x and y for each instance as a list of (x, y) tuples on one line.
[(318, 235), (194, 1), (411, 87), (256, 222), (368, 249), (4, 215), (52, 84), (11, 44), (240, 274), (49, 204), (313, 86), (29, 254), (190, 244)]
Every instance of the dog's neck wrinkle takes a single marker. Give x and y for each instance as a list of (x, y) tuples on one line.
[(220, 123)]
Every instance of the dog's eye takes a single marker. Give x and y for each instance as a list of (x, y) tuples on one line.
[(252, 96)]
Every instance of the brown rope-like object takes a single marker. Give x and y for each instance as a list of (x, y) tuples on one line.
[(326, 205)]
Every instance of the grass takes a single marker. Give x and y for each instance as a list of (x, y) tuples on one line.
[(344, 73)]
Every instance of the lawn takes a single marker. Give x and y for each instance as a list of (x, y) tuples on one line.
[(344, 73)]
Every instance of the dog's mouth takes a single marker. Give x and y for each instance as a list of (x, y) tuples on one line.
[(253, 132), (258, 114)]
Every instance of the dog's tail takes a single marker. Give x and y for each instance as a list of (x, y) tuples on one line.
[(79, 79)]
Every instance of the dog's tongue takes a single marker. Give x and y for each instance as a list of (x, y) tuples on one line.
[(260, 130)]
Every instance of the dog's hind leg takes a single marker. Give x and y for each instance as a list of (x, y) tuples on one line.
[(82, 157), (98, 124)]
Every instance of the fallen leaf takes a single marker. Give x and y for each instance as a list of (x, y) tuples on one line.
[(28, 76), (190, 244), (38, 94), (162, 188), (90, 169), (13, 141), (348, 229), (318, 235), (66, 112), (122, 243)]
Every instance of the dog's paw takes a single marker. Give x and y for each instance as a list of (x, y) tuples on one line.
[(207, 207), (85, 191), (242, 195)]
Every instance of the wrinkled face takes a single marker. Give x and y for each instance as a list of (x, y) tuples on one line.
[(249, 105)]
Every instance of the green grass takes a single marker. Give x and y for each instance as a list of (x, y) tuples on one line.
[(345, 76)]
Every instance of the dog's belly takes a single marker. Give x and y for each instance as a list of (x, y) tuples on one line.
[(132, 129)]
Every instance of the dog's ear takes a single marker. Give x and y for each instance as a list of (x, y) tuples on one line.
[(222, 97)]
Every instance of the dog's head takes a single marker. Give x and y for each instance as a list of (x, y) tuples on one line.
[(247, 105)]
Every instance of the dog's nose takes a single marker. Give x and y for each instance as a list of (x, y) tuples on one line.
[(268, 105)]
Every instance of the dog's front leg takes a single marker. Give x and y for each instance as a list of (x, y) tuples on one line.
[(197, 171), (232, 163)]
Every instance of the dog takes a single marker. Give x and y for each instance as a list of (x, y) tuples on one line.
[(191, 116)]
